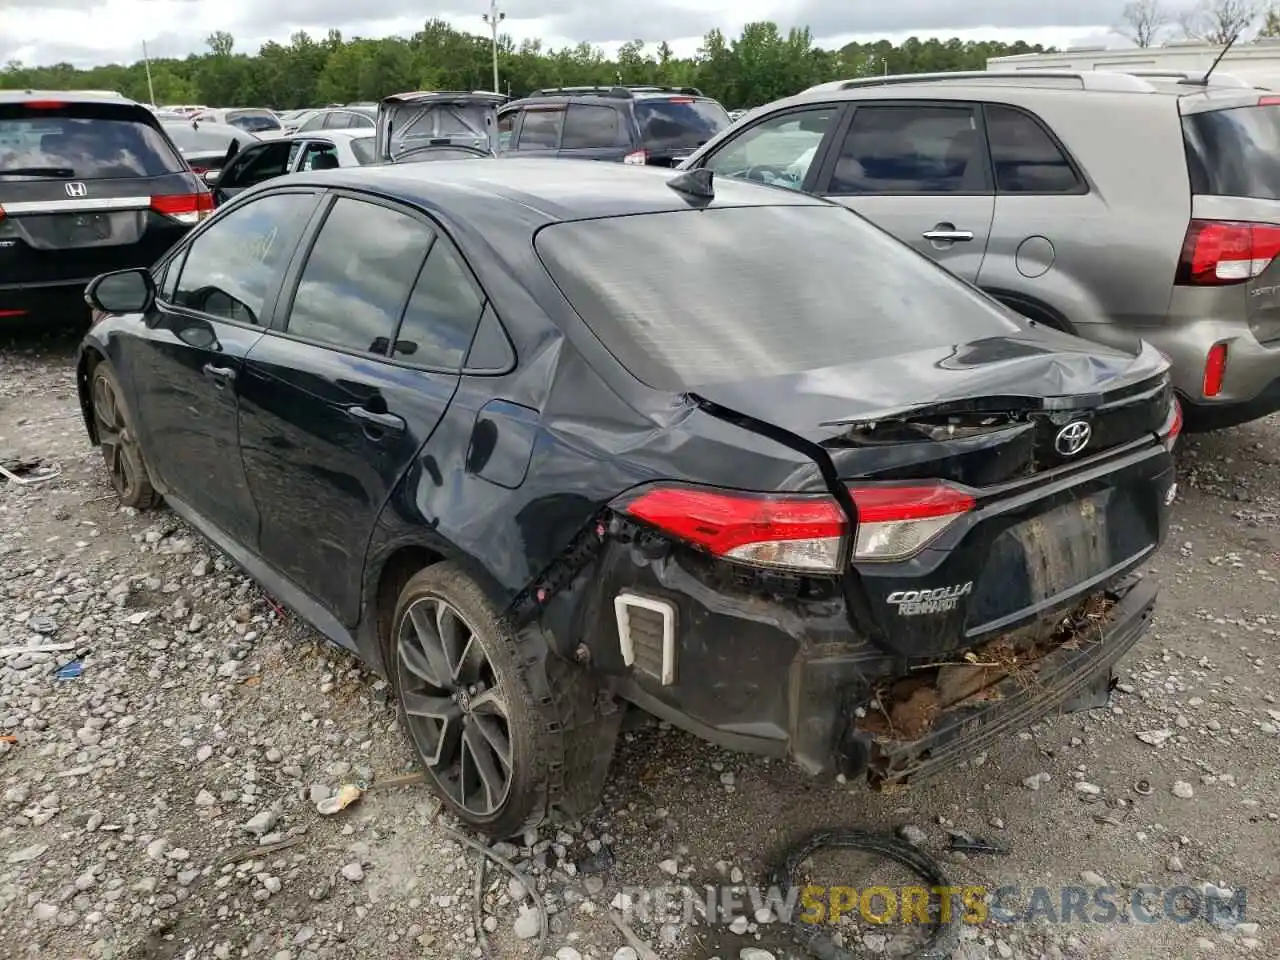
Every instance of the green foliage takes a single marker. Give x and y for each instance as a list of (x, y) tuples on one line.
[(762, 64)]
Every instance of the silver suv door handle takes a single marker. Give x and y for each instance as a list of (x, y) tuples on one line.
[(947, 235)]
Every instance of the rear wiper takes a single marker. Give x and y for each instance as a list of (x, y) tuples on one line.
[(38, 172)]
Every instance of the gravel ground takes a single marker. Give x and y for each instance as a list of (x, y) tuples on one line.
[(163, 802)]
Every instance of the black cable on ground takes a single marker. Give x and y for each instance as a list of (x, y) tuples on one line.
[(813, 938)]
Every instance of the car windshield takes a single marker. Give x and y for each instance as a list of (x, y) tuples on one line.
[(254, 122), (679, 123), (704, 296), (90, 147)]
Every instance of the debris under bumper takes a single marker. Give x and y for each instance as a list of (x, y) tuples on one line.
[(946, 713)]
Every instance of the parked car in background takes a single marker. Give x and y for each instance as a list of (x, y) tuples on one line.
[(1118, 207), (88, 183), (438, 125), (187, 110), (290, 120), (208, 146), (340, 118), (259, 162), (573, 461), (261, 122), (660, 126)]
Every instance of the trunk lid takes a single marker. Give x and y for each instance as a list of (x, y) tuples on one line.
[(987, 412), (409, 122)]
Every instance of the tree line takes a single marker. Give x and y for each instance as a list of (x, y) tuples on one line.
[(763, 63)]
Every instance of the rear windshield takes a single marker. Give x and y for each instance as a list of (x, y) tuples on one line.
[(1235, 152), (192, 140), (253, 121), (679, 123), (362, 147), (691, 298), (63, 144)]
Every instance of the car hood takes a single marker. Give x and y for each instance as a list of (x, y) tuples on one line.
[(411, 121), (1039, 370)]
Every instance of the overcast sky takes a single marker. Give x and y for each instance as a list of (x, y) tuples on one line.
[(87, 32)]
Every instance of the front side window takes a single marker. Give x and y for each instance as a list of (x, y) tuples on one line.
[(260, 164), (233, 264), (506, 127), (442, 314), (320, 156), (541, 128), (358, 276), (777, 151), (910, 149)]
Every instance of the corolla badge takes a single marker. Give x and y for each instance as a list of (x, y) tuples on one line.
[(1072, 438)]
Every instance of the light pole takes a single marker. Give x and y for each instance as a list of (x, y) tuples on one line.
[(493, 18)]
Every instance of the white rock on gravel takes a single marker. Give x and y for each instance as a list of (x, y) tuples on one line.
[(353, 872), (1183, 790)]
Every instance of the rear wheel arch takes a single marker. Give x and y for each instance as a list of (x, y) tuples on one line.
[(1033, 309), (390, 577)]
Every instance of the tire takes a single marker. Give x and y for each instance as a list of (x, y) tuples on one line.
[(506, 686), (118, 440)]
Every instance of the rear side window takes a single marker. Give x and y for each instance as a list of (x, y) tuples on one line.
[(678, 123), (362, 147), (541, 129), (698, 297), (66, 144), (442, 314), (358, 276), (911, 149), (1235, 152), (588, 125), (1025, 157)]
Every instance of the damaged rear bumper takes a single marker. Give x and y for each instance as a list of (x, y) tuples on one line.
[(1076, 675), (751, 686)]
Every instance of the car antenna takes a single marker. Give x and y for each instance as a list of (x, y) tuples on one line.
[(1204, 81), (697, 184)]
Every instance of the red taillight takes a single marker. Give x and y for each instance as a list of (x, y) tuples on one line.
[(12, 313), (1215, 369), (45, 104), (1271, 101), (1172, 427), (805, 533), (639, 157), (1218, 252), (897, 521), (184, 207), (199, 170)]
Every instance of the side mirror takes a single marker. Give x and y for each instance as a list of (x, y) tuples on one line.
[(123, 291), (211, 177)]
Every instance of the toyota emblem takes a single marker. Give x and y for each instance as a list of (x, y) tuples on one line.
[(75, 189), (1072, 438)]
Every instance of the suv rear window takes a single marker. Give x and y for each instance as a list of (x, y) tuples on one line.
[(678, 123), (255, 121), (1234, 152), (691, 298), (90, 144)]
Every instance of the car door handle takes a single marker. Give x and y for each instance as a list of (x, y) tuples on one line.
[(385, 422), (219, 375), (947, 236)]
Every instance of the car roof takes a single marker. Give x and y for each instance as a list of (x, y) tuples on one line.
[(352, 133), (554, 189), (66, 96), (209, 126)]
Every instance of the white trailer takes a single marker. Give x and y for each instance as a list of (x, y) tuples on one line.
[(1256, 63)]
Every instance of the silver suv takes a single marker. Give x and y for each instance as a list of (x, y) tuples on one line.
[(1111, 205)]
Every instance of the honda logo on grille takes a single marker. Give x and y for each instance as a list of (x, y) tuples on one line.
[(1072, 438), (75, 189)]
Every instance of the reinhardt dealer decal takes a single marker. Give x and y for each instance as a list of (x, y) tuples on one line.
[(912, 603)]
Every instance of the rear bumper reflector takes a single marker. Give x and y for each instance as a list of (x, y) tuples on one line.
[(647, 635)]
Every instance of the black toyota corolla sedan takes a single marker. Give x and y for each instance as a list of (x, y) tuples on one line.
[(545, 439)]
